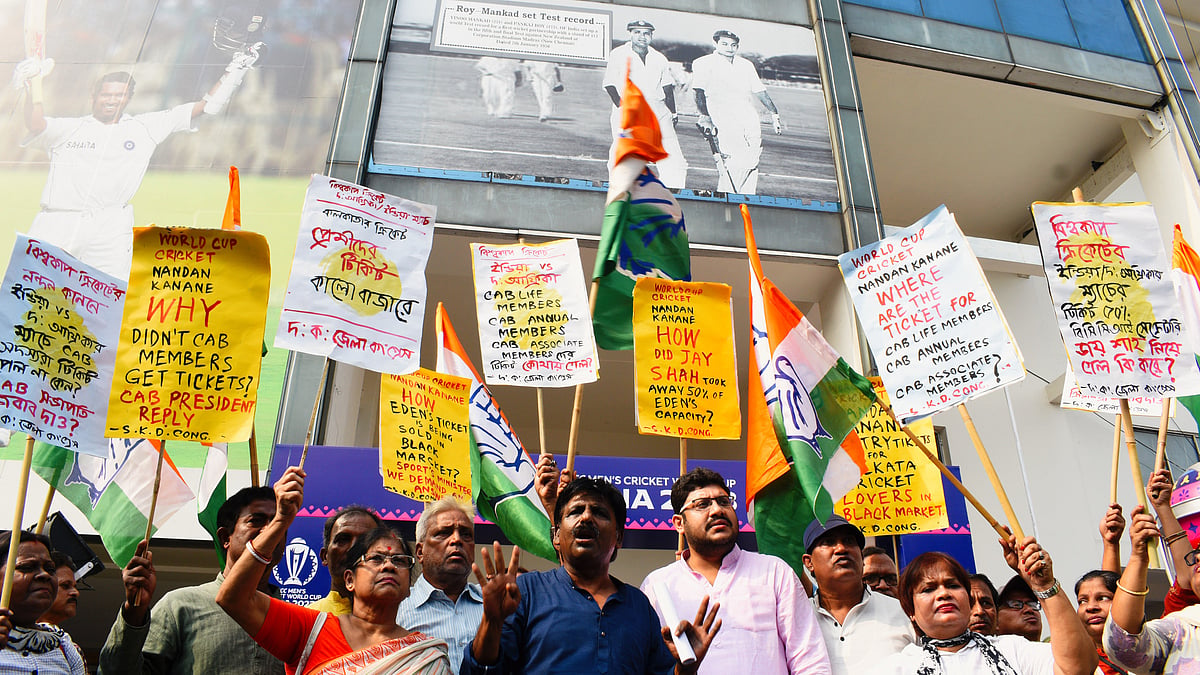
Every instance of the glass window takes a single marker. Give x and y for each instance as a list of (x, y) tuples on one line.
[(1181, 451)]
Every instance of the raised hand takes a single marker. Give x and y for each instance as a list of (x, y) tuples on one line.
[(289, 493), (1113, 525), (140, 580), (5, 625), (1142, 530), (549, 481), (1159, 488), (498, 583), (1036, 567), (1009, 548), (700, 633)]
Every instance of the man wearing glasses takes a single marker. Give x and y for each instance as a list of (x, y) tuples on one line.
[(879, 571), (442, 603), (768, 625), (1019, 612), (861, 627)]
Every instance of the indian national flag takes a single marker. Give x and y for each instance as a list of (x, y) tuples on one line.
[(802, 454), (1185, 272), (114, 492), (643, 233), (502, 476)]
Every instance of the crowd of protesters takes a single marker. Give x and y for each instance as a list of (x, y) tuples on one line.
[(849, 611)]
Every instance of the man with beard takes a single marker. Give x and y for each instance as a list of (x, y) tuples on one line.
[(576, 618), (768, 622), (342, 530), (861, 627), (441, 603)]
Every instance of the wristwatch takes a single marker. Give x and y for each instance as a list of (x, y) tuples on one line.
[(1049, 592)]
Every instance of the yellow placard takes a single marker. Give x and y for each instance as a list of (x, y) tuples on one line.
[(684, 359), (424, 441), (190, 350), (901, 493)]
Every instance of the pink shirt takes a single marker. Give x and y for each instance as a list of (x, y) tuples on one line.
[(768, 625)]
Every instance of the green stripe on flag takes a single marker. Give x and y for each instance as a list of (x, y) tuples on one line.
[(499, 501)]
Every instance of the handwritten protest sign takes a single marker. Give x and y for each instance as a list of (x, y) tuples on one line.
[(685, 363), (930, 317), (901, 492), (535, 329), (1075, 398), (357, 289), (424, 435), (191, 338), (59, 320), (1111, 287)]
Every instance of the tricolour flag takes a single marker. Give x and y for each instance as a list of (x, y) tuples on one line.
[(502, 475), (802, 453), (114, 492), (643, 233), (1185, 272)]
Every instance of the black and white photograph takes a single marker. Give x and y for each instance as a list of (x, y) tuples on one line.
[(469, 92)]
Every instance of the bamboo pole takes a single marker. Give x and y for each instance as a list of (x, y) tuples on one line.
[(949, 476), (573, 439), (1136, 467), (683, 460), (312, 420), (991, 472), (1160, 452), (254, 482), (10, 566), (541, 424), (45, 513), (1116, 459)]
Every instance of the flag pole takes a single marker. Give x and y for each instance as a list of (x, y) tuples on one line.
[(949, 475), (312, 420), (1116, 459), (573, 439), (1135, 466), (254, 482), (10, 566), (991, 472), (683, 457), (1160, 454)]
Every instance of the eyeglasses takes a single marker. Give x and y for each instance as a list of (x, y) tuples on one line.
[(399, 560), (705, 503), (876, 579), (1192, 556), (1020, 604)]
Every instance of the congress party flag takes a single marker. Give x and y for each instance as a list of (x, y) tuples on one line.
[(1185, 272), (59, 321), (643, 233), (357, 289), (114, 492), (503, 476), (533, 314), (802, 453)]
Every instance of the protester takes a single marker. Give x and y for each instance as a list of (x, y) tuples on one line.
[(367, 640), (1093, 597), (1111, 529), (27, 646), (576, 618), (768, 622), (66, 603), (1170, 645), (442, 603), (861, 627), (934, 592), (342, 530), (879, 571), (1019, 612), (186, 632), (1182, 592), (983, 605)]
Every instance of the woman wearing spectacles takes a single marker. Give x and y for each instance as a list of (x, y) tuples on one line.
[(368, 641)]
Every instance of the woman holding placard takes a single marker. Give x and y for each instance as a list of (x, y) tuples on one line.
[(368, 641), (935, 593)]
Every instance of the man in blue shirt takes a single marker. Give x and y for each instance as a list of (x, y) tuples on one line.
[(441, 603), (576, 618)]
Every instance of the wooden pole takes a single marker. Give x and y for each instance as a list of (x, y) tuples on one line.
[(541, 424), (41, 522), (254, 457), (10, 566), (991, 472), (949, 475), (683, 457), (1135, 466), (312, 420), (1116, 459), (573, 439), (162, 451), (1160, 453)]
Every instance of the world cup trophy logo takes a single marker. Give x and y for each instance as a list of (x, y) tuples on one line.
[(300, 563)]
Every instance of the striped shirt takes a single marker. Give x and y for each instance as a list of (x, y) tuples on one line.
[(430, 611)]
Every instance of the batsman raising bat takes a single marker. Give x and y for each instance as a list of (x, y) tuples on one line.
[(97, 162)]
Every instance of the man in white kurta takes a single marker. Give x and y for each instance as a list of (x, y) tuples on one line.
[(651, 72), (728, 91), (767, 622)]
